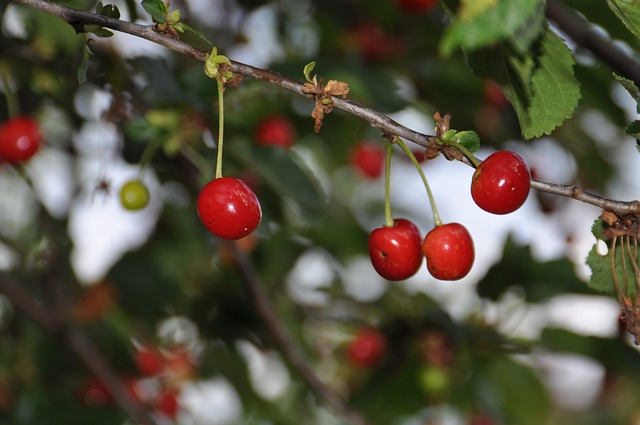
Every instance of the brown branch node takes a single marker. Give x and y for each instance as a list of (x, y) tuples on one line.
[(324, 97)]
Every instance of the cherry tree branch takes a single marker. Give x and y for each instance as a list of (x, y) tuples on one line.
[(78, 19), (582, 34), (83, 347), (290, 350)]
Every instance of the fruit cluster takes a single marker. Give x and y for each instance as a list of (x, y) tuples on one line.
[(164, 369), (500, 185)]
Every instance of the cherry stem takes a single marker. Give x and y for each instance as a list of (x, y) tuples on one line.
[(466, 152), (388, 218), (147, 155), (220, 126), (436, 216), (13, 106)]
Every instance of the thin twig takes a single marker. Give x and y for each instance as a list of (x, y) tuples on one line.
[(80, 344), (386, 125), (573, 25), (290, 350)]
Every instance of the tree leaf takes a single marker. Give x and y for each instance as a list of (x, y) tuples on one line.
[(156, 8), (308, 69), (631, 88), (483, 23), (469, 139), (109, 10), (628, 11), (601, 267), (538, 281), (197, 34), (540, 85), (98, 31), (633, 129), (84, 64), (285, 174), (510, 390)]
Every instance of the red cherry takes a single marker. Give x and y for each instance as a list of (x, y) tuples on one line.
[(416, 6), (367, 348), (167, 403), (20, 139), (228, 208), (501, 183), (395, 251), (94, 393), (149, 361), (494, 96), (368, 158), (481, 419), (449, 251), (275, 131)]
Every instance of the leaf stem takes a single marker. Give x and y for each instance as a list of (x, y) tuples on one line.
[(436, 216), (147, 155), (13, 106), (388, 218), (466, 152), (220, 127)]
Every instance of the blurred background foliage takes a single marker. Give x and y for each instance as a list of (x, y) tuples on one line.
[(183, 290)]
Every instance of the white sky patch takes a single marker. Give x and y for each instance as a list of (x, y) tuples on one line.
[(210, 402), (53, 182), (262, 46), (268, 375), (361, 281), (18, 207), (12, 23), (574, 381), (568, 312), (314, 271)]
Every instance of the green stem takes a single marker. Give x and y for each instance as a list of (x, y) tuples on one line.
[(220, 127), (436, 216), (147, 155), (466, 152), (388, 218), (13, 106), (197, 160)]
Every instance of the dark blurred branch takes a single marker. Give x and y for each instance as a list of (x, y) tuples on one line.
[(386, 125), (79, 343), (288, 347), (573, 25)]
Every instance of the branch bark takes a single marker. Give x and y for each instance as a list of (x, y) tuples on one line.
[(609, 53), (583, 35), (82, 346), (290, 350)]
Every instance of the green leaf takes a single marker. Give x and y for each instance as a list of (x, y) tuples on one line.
[(84, 64), (601, 266), (628, 11), (633, 130), (98, 31), (469, 139), (174, 17), (285, 173), (631, 88), (511, 390), (308, 69), (540, 85), (197, 34), (629, 85), (483, 23), (538, 281), (156, 8), (109, 10)]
